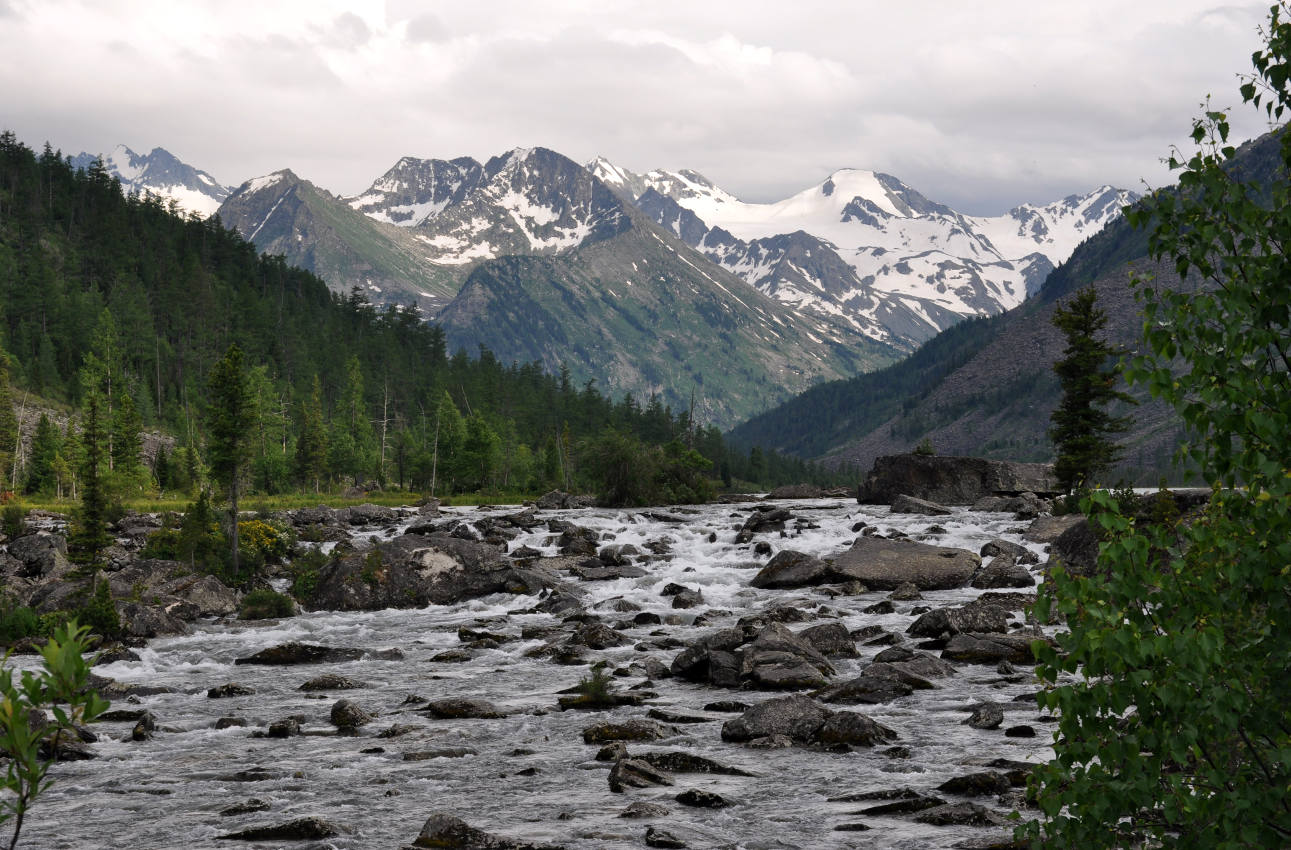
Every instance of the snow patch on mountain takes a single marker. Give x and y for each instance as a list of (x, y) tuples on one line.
[(160, 174)]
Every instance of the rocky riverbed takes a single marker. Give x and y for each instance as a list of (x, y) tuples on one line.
[(791, 674)]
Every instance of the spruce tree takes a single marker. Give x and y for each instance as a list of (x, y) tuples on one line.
[(311, 442), (45, 446), (8, 425), (229, 433), (89, 535), (1082, 429)]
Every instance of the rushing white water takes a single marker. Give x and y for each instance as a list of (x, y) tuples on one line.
[(168, 792)]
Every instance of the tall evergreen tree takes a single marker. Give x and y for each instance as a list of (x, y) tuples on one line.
[(89, 534), (311, 442), (1083, 430), (128, 471), (229, 433), (45, 446), (8, 426)]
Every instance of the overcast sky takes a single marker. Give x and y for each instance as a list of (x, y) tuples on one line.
[(981, 105)]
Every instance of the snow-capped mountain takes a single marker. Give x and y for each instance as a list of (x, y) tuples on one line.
[(867, 248), (160, 173), (528, 200)]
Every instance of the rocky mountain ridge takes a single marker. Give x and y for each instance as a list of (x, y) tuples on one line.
[(162, 174)]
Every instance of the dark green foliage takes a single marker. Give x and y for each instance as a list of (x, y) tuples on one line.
[(304, 573), (8, 426), (229, 433), (311, 444), (99, 614), (1082, 428), (1177, 732), (265, 604), (625, 472), (597, 688), (129, 475), (18, 622), (89, 528), (924, 448), (13, 520), (196, 541), (45, 446)]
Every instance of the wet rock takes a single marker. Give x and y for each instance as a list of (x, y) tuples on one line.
[(232, 689), (398, 730), (906, 591), (987, 715), (371, 515), (727, 706), (683, 597), (1016, 551), (576, 540), (634, 773), (763, 518), (661, 838), (448, 832), (886, 564), (642, 809), (866, 689), (245, 808), (147, 621), (852, 827), (797, 717), (635, 729), (593, 570), (676, 761), (331, 682), (230, 722), (145, 728), (462, 707), (961, 814), (1003, 571), (796, 491), (1076, 549), (990, 648), (288, 727), (849, 729), (973, 617), (1022, 731), (981, 784), (698, 799), (674, 717), (301, 829), (904, 504), (301, 653), (1047, 529), (780, 660), (347, 714), (414, 570), (597, 636), (902, 802), (618, 554), (443, 753), (831, 640), (793, 569)]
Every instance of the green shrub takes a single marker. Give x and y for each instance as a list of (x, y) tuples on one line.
[(265, 604), (304, 573), (924, 448), (99, 613), (20, 622), (13, 521)]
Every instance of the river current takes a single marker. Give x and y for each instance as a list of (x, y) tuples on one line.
[(529, 775)]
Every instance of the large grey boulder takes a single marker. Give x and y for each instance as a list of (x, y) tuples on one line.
[(448, 832), (886, 564), (904, 504), (43, 555), (805, 722), (952, 480), (414, 570), (793, 569), (973, 617)]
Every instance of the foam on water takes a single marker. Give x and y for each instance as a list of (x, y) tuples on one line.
[(169, 791)]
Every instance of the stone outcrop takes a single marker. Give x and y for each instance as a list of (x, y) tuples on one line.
[(882, 564), (414, 570), (953, 480)]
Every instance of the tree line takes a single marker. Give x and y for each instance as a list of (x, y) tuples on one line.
[(124, 299)]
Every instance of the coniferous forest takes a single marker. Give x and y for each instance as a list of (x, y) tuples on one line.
[(124, 297)]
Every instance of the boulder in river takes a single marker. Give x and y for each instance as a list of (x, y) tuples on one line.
[(904, 504), (950, 480), (887, 564), (449, 832), (414, 570), (301, 829), (804, 722), (294, 652)]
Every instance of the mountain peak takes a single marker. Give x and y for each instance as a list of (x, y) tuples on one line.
[(162, 174)]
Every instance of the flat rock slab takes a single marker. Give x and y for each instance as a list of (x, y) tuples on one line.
[(886, 564), (904, 504)]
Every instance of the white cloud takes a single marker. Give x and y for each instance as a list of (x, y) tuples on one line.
[(979, 105)]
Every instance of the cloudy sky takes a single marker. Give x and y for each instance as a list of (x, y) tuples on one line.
[(982, 105)]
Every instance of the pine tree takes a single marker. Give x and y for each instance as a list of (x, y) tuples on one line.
[(45, 446), (229, 433), (89, 535), (1082, 430), (128, 471), (8, 424), (311, 442)]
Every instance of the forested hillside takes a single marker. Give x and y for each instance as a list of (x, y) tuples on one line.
[(123, 295)]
